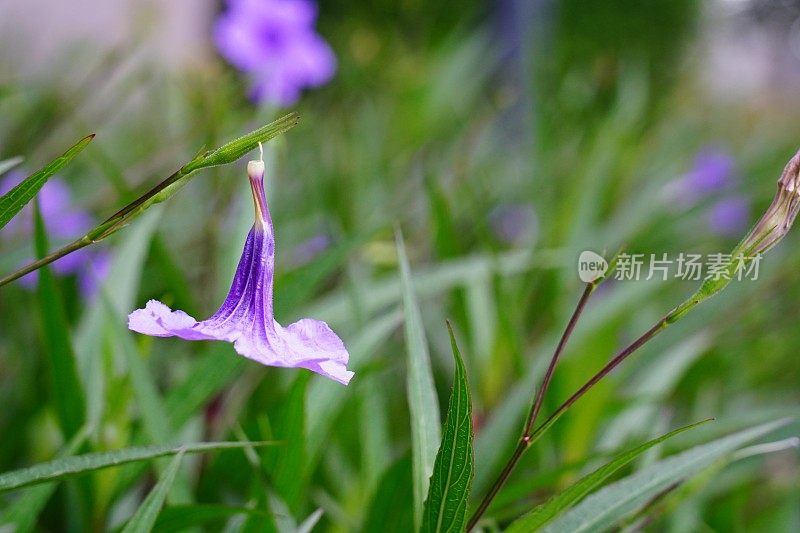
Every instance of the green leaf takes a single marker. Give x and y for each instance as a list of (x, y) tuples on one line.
[(446, 505), (434, 280), (299, 285), (185, 517), (285, 463), (610, 504), (12, 202), (151, 405), (79, 464), (225, 154), (547, 511), (22, 513), (326, 398), (67, 392), (392, 499), (98, 325), (207, 377), (503, 425), (230, 152), (145, 516), (422, 402)]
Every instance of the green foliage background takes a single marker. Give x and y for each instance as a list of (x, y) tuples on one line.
[(435, 118)]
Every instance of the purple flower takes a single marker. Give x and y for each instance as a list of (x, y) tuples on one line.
[(63, 222), (245, 317), (308, 250), (94, 271), (275, 43), (729, 216), (514, 223), (711, 171)]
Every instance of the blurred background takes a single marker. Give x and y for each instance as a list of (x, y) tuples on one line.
[(503, 138)]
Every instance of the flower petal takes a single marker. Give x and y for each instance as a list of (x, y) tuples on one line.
[(245, 317), (159, 320)]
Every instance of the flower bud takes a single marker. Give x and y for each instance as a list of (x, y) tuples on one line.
[(780, 215)]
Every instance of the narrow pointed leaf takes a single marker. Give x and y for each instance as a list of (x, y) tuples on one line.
[(79, 464), (610, 504), (446, 505), (227, 153), (285, 463), (232, 151), (22, 513), (393, 497), (309, 523), (422, 402), (174, 519), (547, 511), (12, 202), (67, 391), (145, 516)]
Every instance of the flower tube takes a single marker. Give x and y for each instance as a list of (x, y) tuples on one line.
[(246, 316)]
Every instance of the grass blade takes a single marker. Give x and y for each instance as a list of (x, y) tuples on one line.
[(612, 503), (79, 464), (174, 519), (14, 200), (68, 396), (145, 516), (237, 148), (225, 154), (98, 327), (422, 402), (392, 498), (207, 377), (547, 511), (286, 463), (446, 505), (21, 515)]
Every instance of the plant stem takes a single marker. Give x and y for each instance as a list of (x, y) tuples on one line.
[(529, 437), (548, 376), (603, 372), (525, 440), (58, 254)]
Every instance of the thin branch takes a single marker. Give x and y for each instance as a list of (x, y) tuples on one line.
[(525, 440), (529, 437), (548, 376)]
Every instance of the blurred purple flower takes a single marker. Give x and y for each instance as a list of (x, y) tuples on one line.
[(55, 202), (306, 251), (63, 222), (729, 216), (514, 223), (275, 43), (93, 273), (246, 316), (711, 171)]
